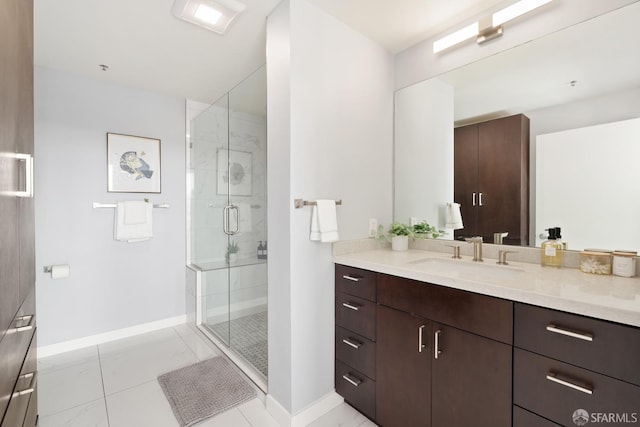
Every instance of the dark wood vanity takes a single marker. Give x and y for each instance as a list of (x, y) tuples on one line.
[(410, 353)]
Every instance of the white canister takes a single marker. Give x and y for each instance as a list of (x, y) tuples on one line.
[(399, 243), (624, 263)]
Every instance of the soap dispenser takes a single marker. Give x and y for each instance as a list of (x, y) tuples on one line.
[(552, 249)]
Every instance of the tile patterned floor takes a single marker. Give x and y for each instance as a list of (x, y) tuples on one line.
[(248, 336), (114, 385)]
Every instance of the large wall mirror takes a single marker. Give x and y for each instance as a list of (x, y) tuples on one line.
[(584, 78)]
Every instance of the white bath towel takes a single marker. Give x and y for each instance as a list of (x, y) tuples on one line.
[(454, 217), (324, 222), (133, 221)]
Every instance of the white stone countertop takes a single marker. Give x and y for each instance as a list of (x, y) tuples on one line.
[(604, 297)]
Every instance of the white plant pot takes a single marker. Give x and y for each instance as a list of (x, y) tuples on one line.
[(232, 258), (399, 243)]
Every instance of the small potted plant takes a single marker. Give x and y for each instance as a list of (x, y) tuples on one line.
[(232, 252), (423, 230), (400, 234)]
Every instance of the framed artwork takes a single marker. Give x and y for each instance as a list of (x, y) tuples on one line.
[(234, 172), (133, 164)]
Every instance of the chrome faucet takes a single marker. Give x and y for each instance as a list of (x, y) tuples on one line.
[(477, 247)]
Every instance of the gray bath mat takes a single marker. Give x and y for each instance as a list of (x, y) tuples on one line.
[(204, 389)]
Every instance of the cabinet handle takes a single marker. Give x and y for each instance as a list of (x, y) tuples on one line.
[(354, 381), (553, 377), (436, 345), (351, 343), (353, 279), (421, 346), (563, 331), (474, 199), (28, 326), (30, 389), (480, 199), (350, 306), (28, 174)]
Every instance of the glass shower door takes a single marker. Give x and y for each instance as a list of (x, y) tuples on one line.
[(228, 220)]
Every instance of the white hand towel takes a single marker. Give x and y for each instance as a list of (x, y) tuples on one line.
[(327, 220), (454, 217), (314, 235), (133, 221), (244, 211)]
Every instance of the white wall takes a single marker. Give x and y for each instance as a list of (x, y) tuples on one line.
[(330, 123), (423, 156), (418, 62), (112, 285)]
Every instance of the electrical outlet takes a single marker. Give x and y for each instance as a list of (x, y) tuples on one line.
[(373, 228)]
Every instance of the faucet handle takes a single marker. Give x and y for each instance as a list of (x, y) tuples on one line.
[(502, 257), (476, 239), (456, 251)]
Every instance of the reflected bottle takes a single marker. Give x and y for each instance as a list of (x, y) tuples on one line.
[(552, 249)]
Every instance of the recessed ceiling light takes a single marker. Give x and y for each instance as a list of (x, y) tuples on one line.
[(214, 15)]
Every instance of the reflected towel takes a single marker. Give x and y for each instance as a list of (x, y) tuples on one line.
[(454, 217), (133, 221), (324, 222)]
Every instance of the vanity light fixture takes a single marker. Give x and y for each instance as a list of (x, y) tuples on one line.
[(214, 15), (490, 27)]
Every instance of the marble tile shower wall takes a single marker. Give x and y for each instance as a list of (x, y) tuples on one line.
[(209, 133)]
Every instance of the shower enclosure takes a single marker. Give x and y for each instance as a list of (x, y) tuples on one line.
[(228, 246)]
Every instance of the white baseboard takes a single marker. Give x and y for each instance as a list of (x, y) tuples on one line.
[(306, 416), (63, 347)]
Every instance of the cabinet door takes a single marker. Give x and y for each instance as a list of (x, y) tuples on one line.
[(403, 370), (503, 178), (471, 380), (465, 177)]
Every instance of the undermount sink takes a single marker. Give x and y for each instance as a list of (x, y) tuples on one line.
[(482, 270)]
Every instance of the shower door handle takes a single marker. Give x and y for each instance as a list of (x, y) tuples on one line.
[(225, 220)]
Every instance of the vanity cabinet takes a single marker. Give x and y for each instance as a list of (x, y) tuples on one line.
[(444, 356), (355, 338), (491, 178), (17, 251), (564, 362)]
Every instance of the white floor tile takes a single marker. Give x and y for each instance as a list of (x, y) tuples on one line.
[(125, 366), (341, 416), (70, 358), (230, 418), (93, 414), (202, 349), (143, 405), (368, 423), (68, 387), (137, 341), (257, 415)]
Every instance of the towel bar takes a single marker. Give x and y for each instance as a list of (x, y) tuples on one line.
[(97, 205), (299, 203)]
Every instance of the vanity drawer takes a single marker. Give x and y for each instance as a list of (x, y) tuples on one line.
[(356, 388), (356, 314), (21, 410), (355, 281), (483, 315), (356, 351), (555, 389), (524, 418), (598, 345)]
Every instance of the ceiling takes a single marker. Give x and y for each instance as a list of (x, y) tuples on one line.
[(146, 47)]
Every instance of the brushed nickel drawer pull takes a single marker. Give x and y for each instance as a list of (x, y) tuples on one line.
[(28, 326), (436, 346), (350, 306), (562, 331), (421, 345), (351, 343), (353, 279), (354, 381), (555, 379), (30, 389)]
